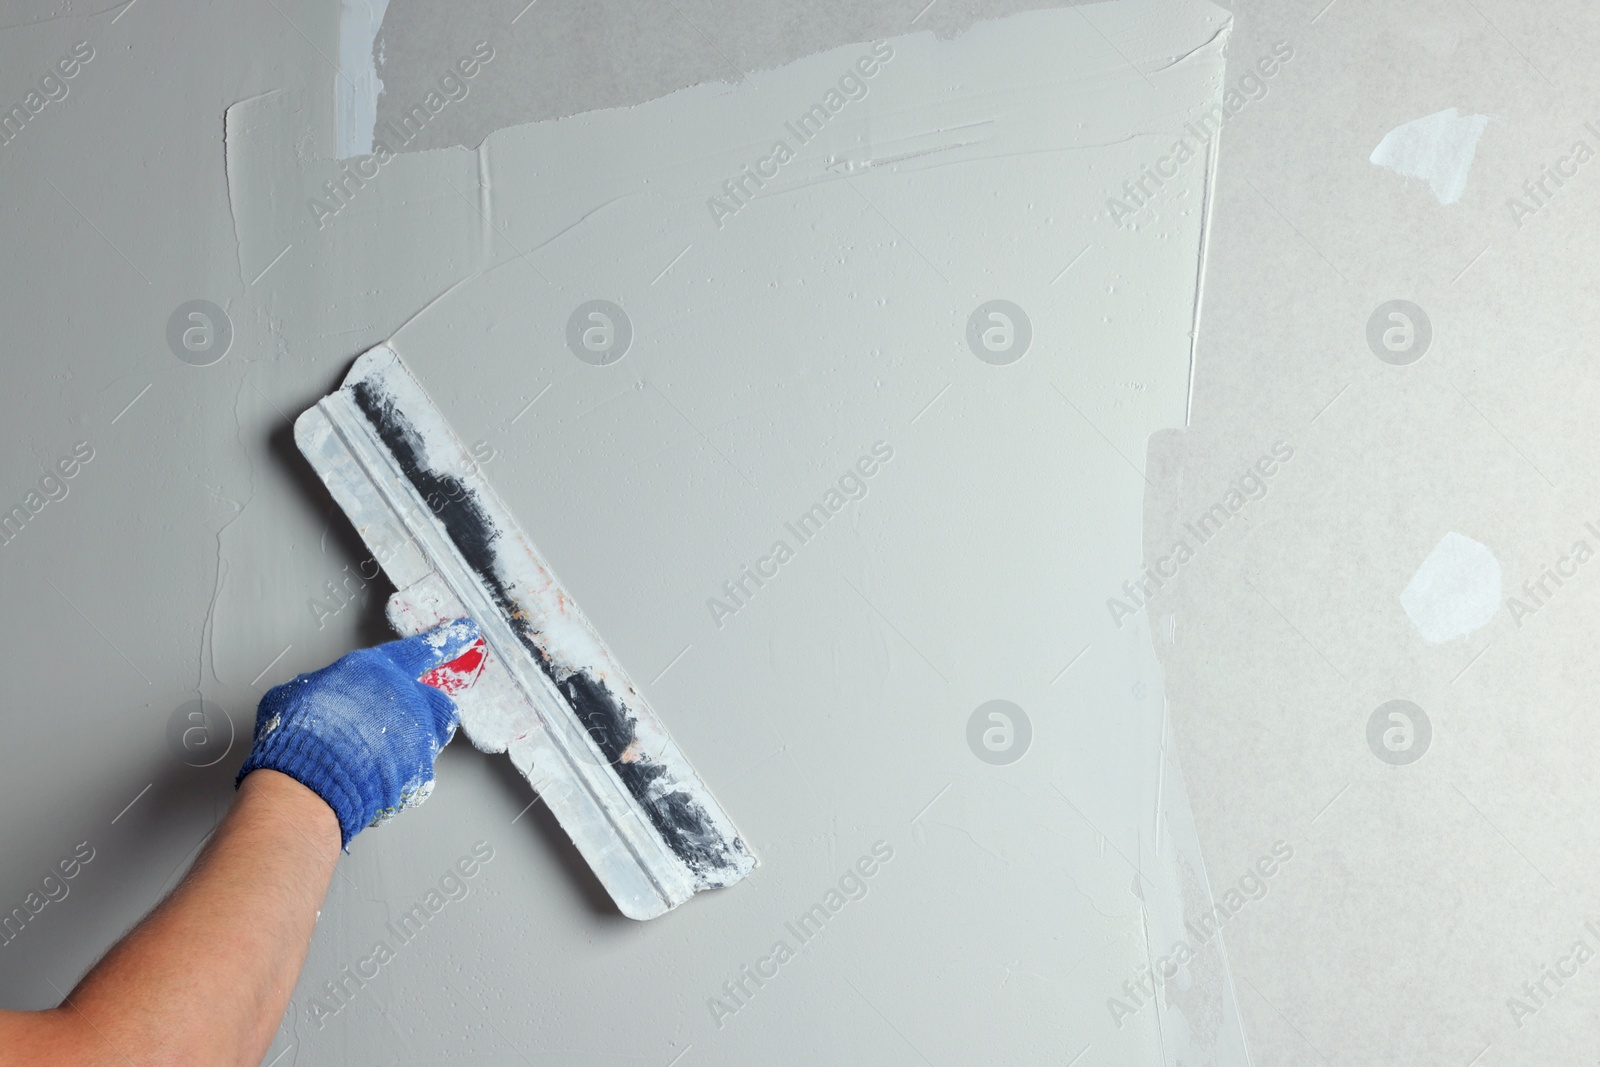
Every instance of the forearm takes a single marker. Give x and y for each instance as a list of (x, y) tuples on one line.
[(206, 977)]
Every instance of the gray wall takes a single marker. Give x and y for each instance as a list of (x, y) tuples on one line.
[(1421, 896)]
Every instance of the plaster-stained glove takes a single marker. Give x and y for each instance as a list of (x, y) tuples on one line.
[(363, 732)]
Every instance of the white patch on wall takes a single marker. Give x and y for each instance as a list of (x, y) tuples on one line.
[(1455, 591), (356, 85), (1439, 149)]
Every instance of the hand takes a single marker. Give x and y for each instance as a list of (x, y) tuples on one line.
[(363, 732)]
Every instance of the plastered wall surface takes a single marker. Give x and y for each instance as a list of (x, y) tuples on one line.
[(1423, 479), (1029, 860)]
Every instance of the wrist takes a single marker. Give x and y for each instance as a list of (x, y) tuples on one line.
[(293, 799), (307, 762)]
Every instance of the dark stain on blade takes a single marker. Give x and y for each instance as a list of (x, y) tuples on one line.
[(714, 859), (676, 816)]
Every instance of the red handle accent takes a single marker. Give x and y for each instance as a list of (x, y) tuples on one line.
[(451, 678)]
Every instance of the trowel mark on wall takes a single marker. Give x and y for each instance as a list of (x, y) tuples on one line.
[(1140, 191), (1455, 591), (1437, 148)]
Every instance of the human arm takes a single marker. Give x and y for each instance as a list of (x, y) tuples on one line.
[(204, 979)]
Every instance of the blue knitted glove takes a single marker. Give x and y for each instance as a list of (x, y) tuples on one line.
[(363, 732)]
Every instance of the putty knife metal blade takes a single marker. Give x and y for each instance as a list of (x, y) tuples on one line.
[(550, 693)]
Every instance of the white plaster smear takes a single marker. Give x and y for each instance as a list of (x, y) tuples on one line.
[(356, 84), (771, 346), (1438, 148), (1455, 591)]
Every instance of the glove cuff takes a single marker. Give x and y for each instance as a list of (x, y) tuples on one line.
[(308, 759)]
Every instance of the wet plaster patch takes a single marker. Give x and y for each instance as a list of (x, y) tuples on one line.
[(821, 302)]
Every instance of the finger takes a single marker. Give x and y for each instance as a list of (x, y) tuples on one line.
[(416, 655), (446, 716)]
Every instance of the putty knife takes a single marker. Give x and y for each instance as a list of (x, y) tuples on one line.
[(550, 694)]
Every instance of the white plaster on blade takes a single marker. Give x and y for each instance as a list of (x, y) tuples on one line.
[(1455, 591), (1438, 148), (357, 85)]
